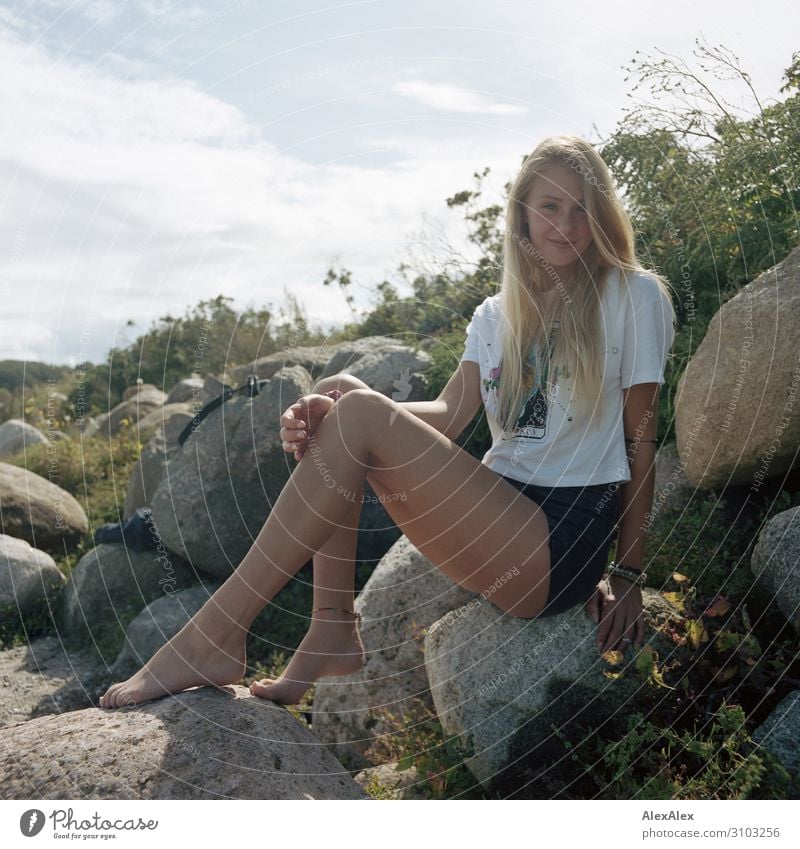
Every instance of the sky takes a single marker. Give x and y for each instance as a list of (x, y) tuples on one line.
[(154, 154)]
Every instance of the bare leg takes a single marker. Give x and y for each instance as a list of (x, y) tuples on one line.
[(333, 644), (462, 516)]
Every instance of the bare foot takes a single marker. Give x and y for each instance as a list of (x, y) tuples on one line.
[(190, 659), (331, 647)]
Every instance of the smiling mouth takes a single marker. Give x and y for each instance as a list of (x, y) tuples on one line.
[(561, 244)]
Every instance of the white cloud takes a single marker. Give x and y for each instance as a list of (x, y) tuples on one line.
[(133, 198), (451, 98)]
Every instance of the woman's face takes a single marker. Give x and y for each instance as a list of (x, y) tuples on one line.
[(558, 223)]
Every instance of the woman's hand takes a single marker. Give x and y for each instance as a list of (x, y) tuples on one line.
[(617, 607), (300, 421)]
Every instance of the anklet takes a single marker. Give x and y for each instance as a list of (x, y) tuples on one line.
[(353, 613)]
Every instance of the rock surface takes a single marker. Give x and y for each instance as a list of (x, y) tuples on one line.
[(150, 469), (774, 562), (737, 410), (403, 596), (204, 743), (222, 483), (29, 578), (385, 365), (186, 390), (16, 434), (501, 683), (36, 510), (780, 734), (112, 582), (43, 678)]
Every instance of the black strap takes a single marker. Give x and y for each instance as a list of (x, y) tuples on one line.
[(251, 388)]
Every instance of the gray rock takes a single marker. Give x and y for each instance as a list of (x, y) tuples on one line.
[(16, 434), (162, 416), (222, 483), (737, 411), (312, 358), (780, 733), (186, 391), (126, 413), (385, 365), (156, 625), (774, 562), (144, 390), (29, 578), (205, 743), (404, 595), (44, 678), (501, 683), (36, 510), (111, 584), (149, 470)]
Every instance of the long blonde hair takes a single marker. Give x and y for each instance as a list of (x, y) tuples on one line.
[(528, 315)]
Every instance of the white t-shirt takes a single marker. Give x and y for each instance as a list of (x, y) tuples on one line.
[(551, 446)]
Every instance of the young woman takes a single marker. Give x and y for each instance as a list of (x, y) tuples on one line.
[(567, 359)]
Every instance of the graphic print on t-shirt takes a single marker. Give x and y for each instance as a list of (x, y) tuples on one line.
[(532, 421)]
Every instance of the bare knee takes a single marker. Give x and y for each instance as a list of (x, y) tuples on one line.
[(343, 382)]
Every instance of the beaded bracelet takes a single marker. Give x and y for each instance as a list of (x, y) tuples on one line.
[(635, 576), (636, 439)]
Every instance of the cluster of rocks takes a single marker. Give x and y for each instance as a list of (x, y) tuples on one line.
[(209, 498), (507, 689)]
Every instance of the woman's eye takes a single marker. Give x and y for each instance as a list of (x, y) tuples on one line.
[(549, 206), (580, 209)]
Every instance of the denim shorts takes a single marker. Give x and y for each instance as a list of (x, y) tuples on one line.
[(583, 523)]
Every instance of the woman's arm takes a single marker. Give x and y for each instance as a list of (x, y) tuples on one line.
[(640, 423), (620, 613), (456, 405)]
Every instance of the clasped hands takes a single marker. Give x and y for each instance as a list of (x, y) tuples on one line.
[(300, 422), (617, 607)]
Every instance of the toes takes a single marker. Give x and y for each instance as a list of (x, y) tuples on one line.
[(261, 688)]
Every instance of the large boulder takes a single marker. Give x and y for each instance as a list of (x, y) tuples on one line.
[(504, 686), (156, 625), (385, 365), (149, 470), (312, 358), (737, 411), (403, 596), (205, 743), (16, 435), (29, 578), (774, 562), (36, 510), (223, 482), (111, 584), (43, 678), (779, 734)]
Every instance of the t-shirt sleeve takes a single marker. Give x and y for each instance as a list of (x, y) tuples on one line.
[(648, 333), (471, 344)]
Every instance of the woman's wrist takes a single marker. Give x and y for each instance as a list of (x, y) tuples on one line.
[(631, 574)]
